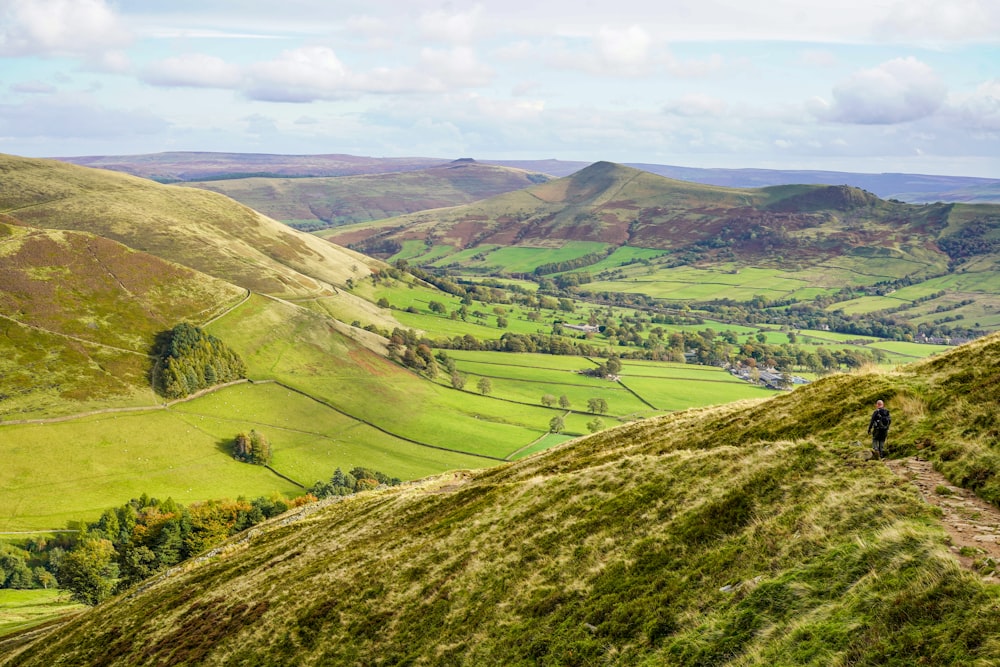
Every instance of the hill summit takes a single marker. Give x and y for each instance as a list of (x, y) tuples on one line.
[(616, 206), (748, 534)]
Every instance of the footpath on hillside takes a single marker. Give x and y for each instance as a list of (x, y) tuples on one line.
[(972, 523)]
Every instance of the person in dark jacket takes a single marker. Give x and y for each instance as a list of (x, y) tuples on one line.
[(878, 428)]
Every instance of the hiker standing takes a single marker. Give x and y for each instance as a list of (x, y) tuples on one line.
[(878, 427)]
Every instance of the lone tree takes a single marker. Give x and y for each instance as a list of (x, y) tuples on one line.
[(564, 401), (548, 400), (457, 380), (595, 424), (556, 424), (485, 386)]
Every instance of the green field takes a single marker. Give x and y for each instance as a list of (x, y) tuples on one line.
[(645, 388), (22, 610), (693, 284), (520, 259), (74, 470)]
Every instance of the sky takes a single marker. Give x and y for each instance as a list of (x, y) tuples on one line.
[(854, 85)]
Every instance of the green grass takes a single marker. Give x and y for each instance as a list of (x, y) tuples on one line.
[(746, 534), (311, 440), (912, 350), (688, 283), (622, 256), (666, 394), (23, 610), (288, 346), (74, 470), (520, 259)]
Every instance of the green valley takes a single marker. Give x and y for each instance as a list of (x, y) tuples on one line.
[(612, 407)]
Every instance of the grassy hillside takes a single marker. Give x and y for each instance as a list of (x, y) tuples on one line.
[(617, 205), (749, 534), (198, 229), (313, 203), (79, 315)]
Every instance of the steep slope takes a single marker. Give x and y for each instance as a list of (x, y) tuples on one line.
[(96, 264), (752, 534), (324, 202), (202, 230), (79, 314)]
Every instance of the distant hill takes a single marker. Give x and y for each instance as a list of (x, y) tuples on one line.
[(315, 203), (613, 229), (749, 534), (197, 166), (621, 206)]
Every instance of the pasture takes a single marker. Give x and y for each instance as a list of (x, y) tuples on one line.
[(521, 259), (24, 609), (67, 471)]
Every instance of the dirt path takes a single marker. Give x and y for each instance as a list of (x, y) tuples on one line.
[(973, 524)]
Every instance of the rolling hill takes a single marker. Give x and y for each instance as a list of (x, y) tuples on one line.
[(202, 230), (176, 166), (631, 231), (97, 263), (617, 205), (747, 534), (313, 203), (196, 166)]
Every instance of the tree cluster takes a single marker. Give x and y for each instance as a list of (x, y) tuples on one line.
[(252, 447), (194, 360), (357, 480), (570, 264), (130, 543)]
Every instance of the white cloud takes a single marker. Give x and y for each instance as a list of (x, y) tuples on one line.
[(316, 73), (897, 91), (300, 75), (455, 68), (193, 70), (628, 48), (60, 28), (935, 21), (454, 27), (33, 87), (696, 105), (981, 109), (818, 58)]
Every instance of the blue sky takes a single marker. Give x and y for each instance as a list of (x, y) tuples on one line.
[(857, 85)]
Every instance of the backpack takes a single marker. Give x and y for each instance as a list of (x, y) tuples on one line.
[(882, 420)]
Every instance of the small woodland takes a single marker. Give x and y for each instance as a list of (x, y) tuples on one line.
[(194, 360)]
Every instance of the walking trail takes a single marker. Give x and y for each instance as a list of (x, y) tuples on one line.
[(973, 524)]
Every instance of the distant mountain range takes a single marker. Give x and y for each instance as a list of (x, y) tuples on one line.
[(200, 166)]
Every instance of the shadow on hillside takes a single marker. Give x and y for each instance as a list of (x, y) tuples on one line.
[(225, 445), (156, 352)]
